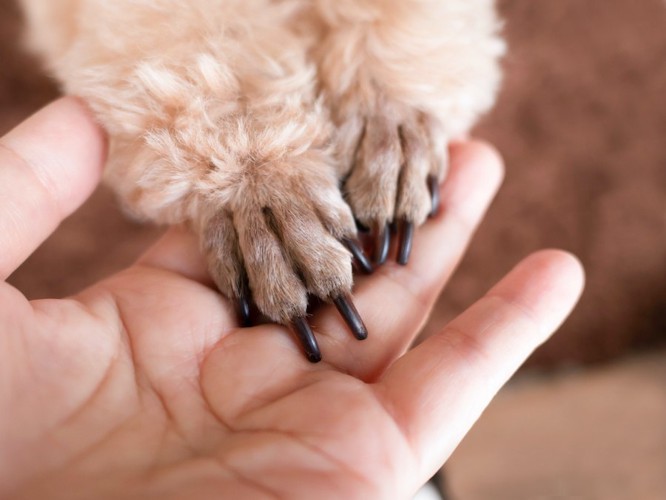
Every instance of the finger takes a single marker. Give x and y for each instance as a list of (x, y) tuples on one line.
[(49, 165), (178, 252), (395, 301), (440, 388)]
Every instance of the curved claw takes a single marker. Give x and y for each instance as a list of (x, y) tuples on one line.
[(351, 316), (433, 186), (244, 312), (382, 242), (244, 303), (361, 227), (357, 252), (406, 240), (307, 339)]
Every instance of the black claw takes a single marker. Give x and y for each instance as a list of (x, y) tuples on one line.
[(244, 303), (361, 227), (382, 243), (360, 258), (406, 240), (351, 316), (307, 339), (244, 312), (433, 186)]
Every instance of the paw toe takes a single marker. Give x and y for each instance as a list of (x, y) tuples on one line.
[(323, 262), (395, 177), (276, 287)]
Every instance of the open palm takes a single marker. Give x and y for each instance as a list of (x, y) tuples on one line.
[(143, 386)]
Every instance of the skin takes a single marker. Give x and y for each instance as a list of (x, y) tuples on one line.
[(143, 386)]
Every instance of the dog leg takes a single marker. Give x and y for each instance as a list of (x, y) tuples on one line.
[(214, 121), (402, 78)]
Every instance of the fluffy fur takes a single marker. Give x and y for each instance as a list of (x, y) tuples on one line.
[(242, 118)]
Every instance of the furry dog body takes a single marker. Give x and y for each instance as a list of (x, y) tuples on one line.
[(243, 118)]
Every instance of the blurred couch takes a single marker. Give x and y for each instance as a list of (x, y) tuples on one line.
[(581, 123)]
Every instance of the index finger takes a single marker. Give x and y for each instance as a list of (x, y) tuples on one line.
[(438, 390), (49, 165)]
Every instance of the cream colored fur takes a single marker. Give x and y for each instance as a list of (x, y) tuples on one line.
[(242, 117)]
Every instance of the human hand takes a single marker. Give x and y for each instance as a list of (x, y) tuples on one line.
[(142, 386)]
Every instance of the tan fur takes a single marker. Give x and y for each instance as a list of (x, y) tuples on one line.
[(242, 116)]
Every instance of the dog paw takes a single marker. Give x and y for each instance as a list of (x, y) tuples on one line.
[(396, 156), (282, 237)]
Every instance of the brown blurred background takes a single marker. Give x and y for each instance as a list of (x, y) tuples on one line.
[(581, 123)]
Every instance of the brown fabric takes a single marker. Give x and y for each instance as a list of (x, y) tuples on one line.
[(581, 123)]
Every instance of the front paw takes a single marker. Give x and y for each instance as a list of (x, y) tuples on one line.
[(397, 156), (280, 239)]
